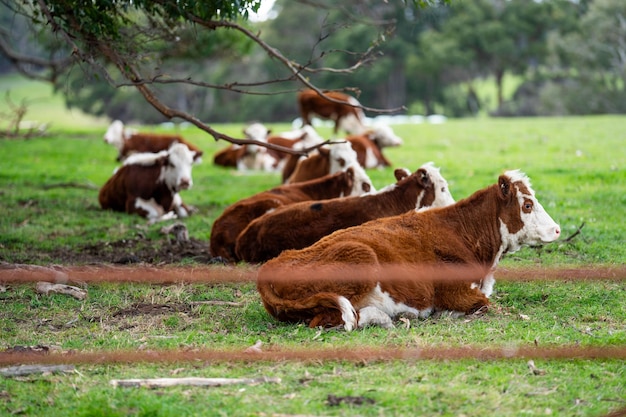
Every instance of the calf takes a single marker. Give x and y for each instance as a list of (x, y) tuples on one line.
[(128, 141), (249, 157), (476, 231), (226, 228), (148, 184), (346, 114), (300, 225)]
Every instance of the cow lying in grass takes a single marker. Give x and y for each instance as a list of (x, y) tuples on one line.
[(301, 224), (148, 184), (351, 181), (476, 232)]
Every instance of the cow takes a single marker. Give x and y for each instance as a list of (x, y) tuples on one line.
[(129, 141), (297, 139), (300, 225), (325, 160), (351, 181), (248, 157), (346, 113), (148, 184), (476, 231)]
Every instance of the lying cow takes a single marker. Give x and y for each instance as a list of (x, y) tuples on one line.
[(128, 141), (148, 184), (325, 160), (369, 146), (476, 231), (346, 113), (248, 157), (351, 181), (300, 225), (297, 139)]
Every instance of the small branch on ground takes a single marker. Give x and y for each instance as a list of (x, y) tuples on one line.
[(576, 233), (46, 288), (196, 382), (23, 370)]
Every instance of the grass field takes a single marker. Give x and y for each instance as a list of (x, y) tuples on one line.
[(49, 189)]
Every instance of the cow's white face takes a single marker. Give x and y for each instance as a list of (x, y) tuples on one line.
[(256, 131), (384, 136), (352, 124), (362, 183), (115, 134), (341, 157), (442, 192), (536, 224), (177, 172)]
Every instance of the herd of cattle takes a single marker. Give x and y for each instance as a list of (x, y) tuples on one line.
[(327, 217)]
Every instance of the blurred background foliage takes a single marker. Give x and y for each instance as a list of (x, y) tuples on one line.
[(559, 57)]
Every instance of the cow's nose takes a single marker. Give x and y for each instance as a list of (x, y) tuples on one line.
[(185, 183)]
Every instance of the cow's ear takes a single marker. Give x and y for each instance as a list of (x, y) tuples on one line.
[(400, 174), (504, 187), (424, 178)]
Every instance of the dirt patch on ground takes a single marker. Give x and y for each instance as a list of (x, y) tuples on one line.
[(136, 250)]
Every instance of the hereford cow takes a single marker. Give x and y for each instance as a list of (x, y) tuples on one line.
[(346, 114), (248, 157), (129, 141), (297, 139), (351, 181), (300, 225), (148, 184), (476, 231), (325, 160)]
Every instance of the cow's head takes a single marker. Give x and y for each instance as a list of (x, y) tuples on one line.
[(437, 193), (523, 220), (116, 134), (341, 157), (176, 172), (383, 136)]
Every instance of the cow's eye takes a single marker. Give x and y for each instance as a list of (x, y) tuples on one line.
[(443, 189), (528, 206)]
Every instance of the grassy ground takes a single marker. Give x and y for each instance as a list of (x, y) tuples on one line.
[(49, 191)]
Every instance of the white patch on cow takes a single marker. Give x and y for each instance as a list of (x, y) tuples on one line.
[(155, 211), (177, 174), (383, 302), (384, 136), (117, 134), (361, 178), (256, 131), (372, 316), (443, 197), (352, 124), (178, 206), (144, 158), (370, 159), (348, 313), (538, 227)]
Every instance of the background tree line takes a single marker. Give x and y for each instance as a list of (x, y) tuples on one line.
[(568, 56)]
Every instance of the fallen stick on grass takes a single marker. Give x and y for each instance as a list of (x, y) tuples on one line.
[(191, 381), (23, 370), (47, 288)]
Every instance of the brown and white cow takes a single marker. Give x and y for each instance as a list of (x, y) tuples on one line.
[(129, 141), (476, 231), (248, 157), (369, 145), (300, 225), (325, 160), (296, 139), (351, 181), (149, 184), (346, 114)]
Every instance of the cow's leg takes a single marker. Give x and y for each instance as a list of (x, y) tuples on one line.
[(372, 316), (460, 296), (149, 209)]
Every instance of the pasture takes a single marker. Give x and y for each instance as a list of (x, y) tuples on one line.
[(50, 215)]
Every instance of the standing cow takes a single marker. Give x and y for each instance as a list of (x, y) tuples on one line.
[(476, 232), (344, 110), (149, 184)]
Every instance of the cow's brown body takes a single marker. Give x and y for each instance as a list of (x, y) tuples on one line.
[(300, 225), (236, 217), (154, 142), (311, 103)]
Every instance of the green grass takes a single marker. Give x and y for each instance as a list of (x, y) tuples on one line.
[(578, 169)]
